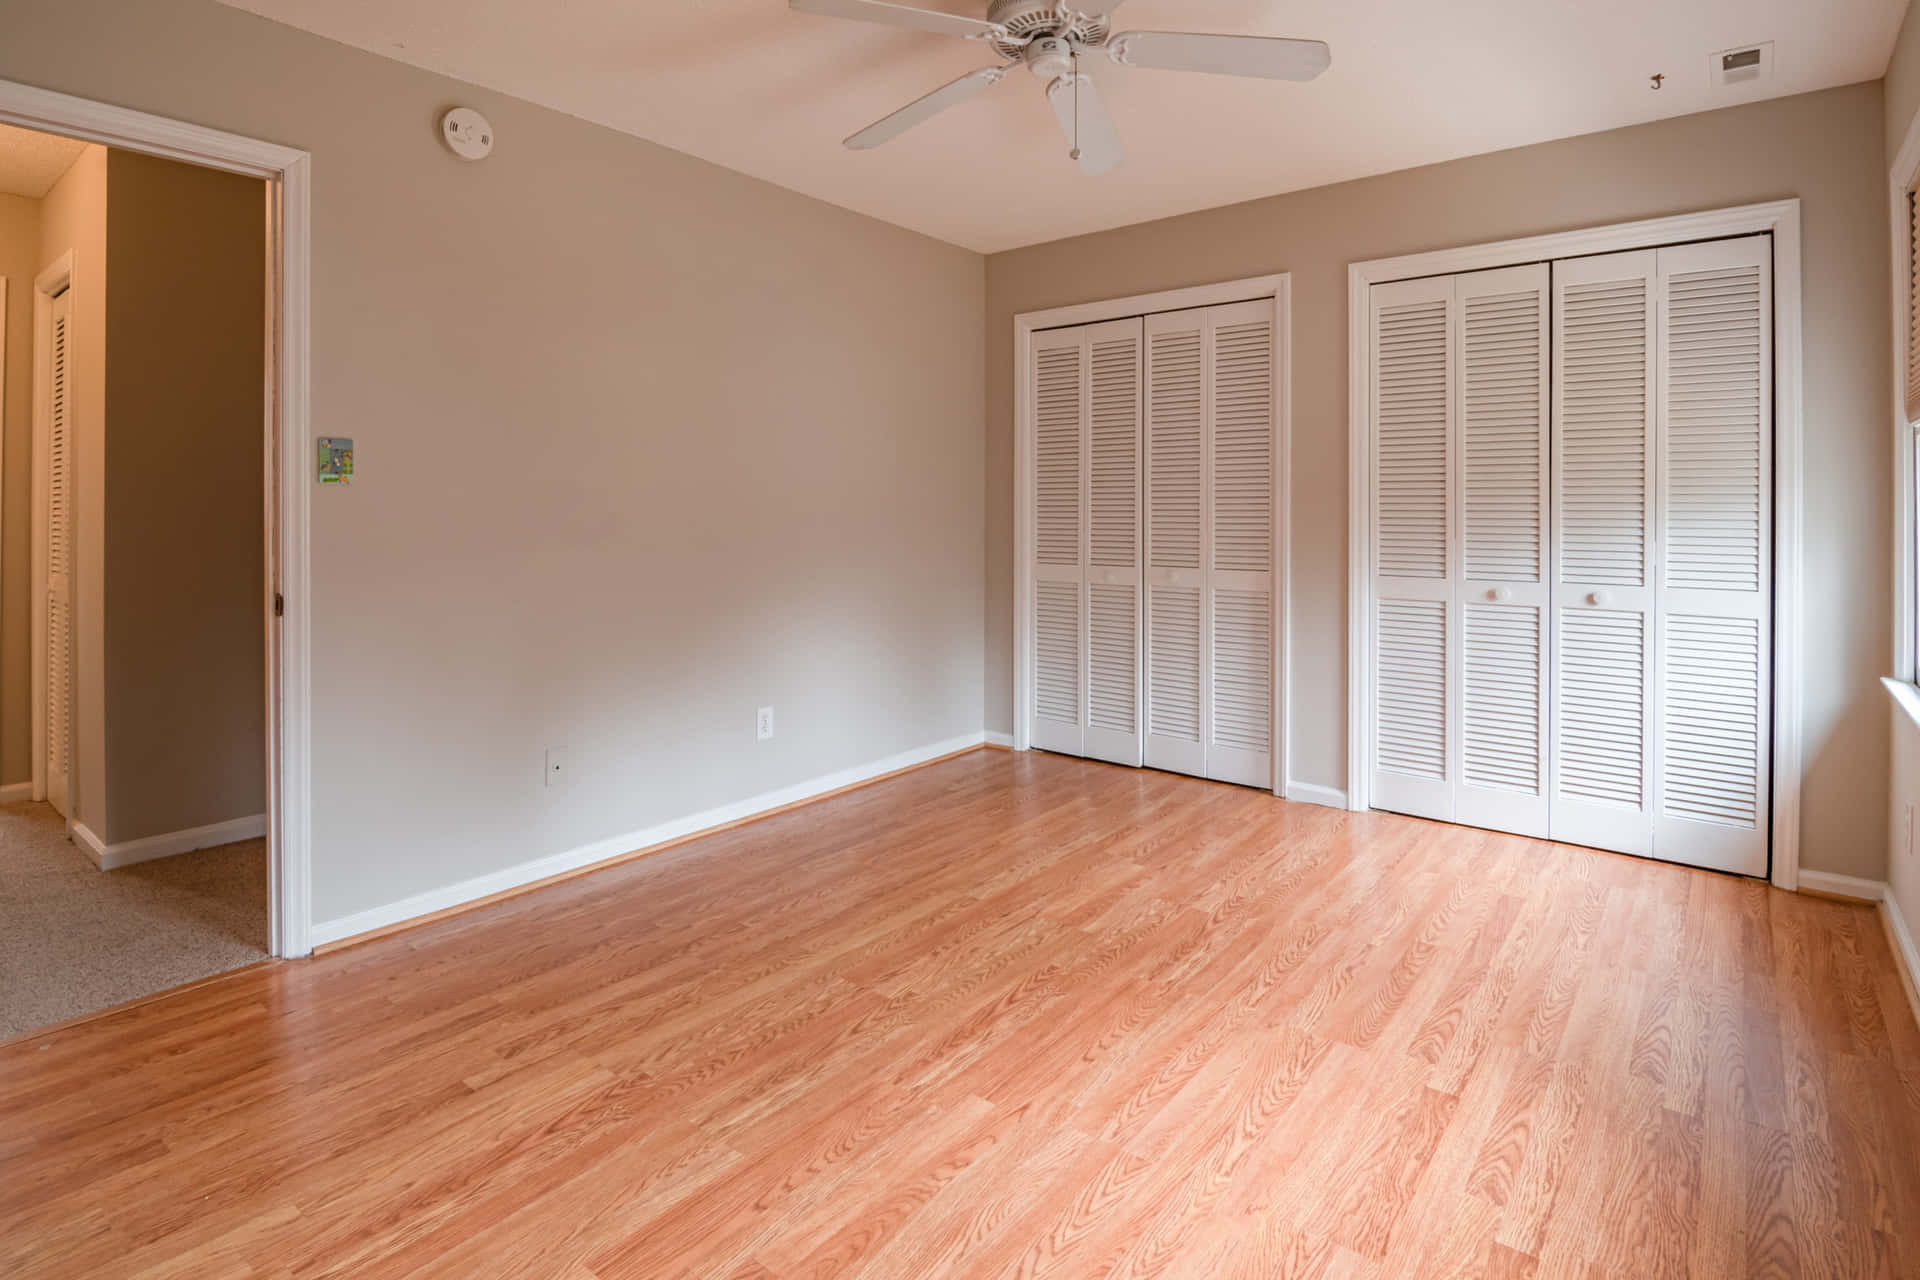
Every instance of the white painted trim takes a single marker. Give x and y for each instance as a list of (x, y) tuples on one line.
[(1779, 218), (168, 844), (1842, 886), (1025, 325), (995, 739), (1901, 178), (1905, 955), (622, 846), (15, 792), (1314, 793), (287, 171)]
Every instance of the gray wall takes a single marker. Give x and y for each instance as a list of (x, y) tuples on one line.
[(1825, 148), (19, 263), (643, 444), (185, 636)]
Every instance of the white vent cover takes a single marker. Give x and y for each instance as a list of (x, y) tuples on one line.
[(1737, 68)]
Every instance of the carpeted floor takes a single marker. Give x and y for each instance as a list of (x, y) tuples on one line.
[(74, 939)]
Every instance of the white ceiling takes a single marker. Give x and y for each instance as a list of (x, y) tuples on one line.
[(752, 86), (30, 163)]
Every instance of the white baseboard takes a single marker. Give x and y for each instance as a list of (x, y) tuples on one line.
[(1314, 793), (999, 739), (1843, 886), (1905, 955), (620, 846), (167, 844), (15, 792)]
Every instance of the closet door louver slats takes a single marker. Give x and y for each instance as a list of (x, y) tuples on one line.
[(1240, 575), (1500, 615), (1059, 546), (1573, 550), (1603, 623), (1176, 439), (57, 608), (1086, 563), (1415, 718), (1715, 606), (1113, 574)]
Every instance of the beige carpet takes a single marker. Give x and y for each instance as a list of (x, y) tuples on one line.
[(74, 939)]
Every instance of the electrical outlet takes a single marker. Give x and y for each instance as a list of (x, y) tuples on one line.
[(556, 766), (763, 726)]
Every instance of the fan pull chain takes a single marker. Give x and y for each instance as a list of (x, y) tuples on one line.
[(1076, 104)]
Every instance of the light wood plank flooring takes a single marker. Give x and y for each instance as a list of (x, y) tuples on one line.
[(1014, 1016)]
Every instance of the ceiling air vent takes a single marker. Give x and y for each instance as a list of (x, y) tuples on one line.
[(1738, 68)]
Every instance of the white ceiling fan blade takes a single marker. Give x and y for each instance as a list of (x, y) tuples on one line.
[(926, 108), (900, 15), (1265, 56), (1096, 136)]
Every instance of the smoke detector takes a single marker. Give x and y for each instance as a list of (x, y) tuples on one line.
[(1742, 67)]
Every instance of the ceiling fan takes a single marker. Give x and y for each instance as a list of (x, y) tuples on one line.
[(1050, 38)]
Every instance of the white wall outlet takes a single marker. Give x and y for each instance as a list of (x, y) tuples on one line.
[(556, 766), (763, 726)]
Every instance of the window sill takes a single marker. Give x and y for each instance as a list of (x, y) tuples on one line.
[(1905, 696)]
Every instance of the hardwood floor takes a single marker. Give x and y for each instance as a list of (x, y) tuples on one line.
[(1014, 1016)]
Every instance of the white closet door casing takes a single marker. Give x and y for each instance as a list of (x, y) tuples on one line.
[(1415, 735), (1060, 372), (58, 610), (1113, 551), (1241, 471), (1178, 378), (1712, 715), (1086, 554), (1499, 661), (1602, 743)]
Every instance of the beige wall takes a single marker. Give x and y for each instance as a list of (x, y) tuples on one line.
[(185, 575), (1825, 148), (643, 444), (19, 263), (1903, 82), (73, 218)]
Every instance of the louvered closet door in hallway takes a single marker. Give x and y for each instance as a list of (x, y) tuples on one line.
[(1086, 566), (1210, 538), (57, 606)]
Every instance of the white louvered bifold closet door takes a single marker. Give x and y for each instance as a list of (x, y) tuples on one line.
[(58, 608), (1500, 614), (1086, 523), (1603, 499), (1414, 730), (1211, 469), (1712, 674)]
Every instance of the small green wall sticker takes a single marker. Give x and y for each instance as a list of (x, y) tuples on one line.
[(336, 460)]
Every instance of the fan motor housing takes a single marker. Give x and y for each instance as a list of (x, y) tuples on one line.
[(1030, 20)]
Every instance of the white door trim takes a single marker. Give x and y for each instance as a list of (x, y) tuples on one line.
[(1781, 219), (289, 240), (1901, 178), (1280, 289)]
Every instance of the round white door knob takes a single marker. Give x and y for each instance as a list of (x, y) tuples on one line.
[(1599, 598)]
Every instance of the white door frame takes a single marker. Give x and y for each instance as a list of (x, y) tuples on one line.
[(1280, 289), (289, 238), (1781, 219)]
